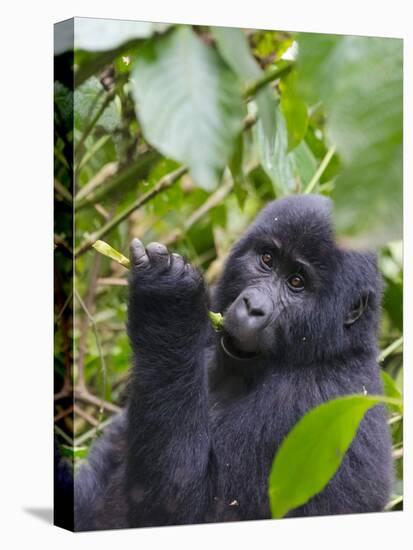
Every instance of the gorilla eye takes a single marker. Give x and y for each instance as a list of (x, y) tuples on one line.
[(267, 259), (296, 282)]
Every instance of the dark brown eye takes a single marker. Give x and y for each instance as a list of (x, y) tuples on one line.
[(296, 282), (267, 259)]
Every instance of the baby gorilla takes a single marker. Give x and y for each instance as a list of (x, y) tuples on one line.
[(207, 411)]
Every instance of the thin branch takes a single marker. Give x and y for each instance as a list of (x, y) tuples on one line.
[(105, 184), (164, 183), (99, 347), (65, 246), (63, 413), (61, 190), (92, 151), (394, 502), (93, 400), (102, 211), (395, 419), (86, 416), (320, 170), (87, 307), (66, 391), (112, 281), (64, 435), (105, 103), (107, 171), (83, 393), (390, 349), (213, 200), (90, 434), (65, 318), (283, 68), (62, 309)]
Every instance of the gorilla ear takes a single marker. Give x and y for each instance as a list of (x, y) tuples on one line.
[(357, 310)]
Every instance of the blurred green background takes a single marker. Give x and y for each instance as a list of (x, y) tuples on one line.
[(180, 135)]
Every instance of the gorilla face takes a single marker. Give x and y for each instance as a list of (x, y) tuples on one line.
[(287, 289)]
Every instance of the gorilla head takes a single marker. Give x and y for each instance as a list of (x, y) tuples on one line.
[(290, 292)]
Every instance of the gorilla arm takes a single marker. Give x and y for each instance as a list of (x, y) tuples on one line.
[(167, 426)]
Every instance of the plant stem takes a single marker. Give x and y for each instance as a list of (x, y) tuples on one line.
[(100, 60), (390, 349), (109, 181), (90, 433), (63, 192), (282, 69), (394, 502), (320, 170), (164, 183), (108, 99)]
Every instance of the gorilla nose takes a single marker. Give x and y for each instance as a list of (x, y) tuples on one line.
[(245, 319), (254, 308)]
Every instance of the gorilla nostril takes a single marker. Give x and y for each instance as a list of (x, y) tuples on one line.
[(252, 309)]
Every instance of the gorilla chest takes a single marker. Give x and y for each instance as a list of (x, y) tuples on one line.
[(243, 447)]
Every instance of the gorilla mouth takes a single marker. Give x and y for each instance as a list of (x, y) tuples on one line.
[(230, 348)]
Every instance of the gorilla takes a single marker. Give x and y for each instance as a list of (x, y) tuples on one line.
[(206, 411)]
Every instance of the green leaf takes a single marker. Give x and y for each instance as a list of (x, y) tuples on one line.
[(390, 388), (63, 99), (105, 34), (73, 452), (313, 450), (107, 250), (217, 320), (234, 48), (189, 103), (289, 171), (294, 110), (88, 99), (236, 167), (270, 43), (360, 81), (305, 163), (274, 157)]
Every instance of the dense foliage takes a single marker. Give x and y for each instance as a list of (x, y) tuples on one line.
[(181, 134)]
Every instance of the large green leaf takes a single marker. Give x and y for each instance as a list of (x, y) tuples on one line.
[(313, 450), (294, 110), (189, 103), (289, 171), (234, 48), (274, 157), (360, 81), (105, 34)]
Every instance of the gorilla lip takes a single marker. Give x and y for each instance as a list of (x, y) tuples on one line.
[(227, 344)]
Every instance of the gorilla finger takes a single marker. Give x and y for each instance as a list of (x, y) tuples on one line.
[(138, 255), (158, 255), (178, 263)]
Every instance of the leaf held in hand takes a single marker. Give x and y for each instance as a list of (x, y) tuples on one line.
[(217, 319), (110, 252)]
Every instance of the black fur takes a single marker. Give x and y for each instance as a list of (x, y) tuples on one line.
[(198, 436)]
